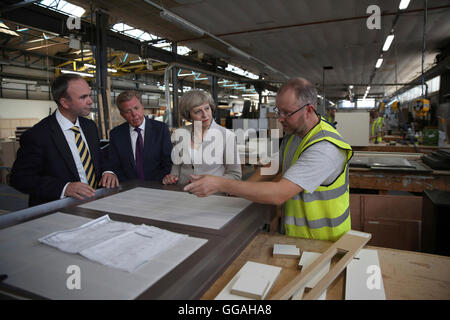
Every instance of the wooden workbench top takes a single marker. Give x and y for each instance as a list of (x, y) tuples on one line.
[(406, 274)]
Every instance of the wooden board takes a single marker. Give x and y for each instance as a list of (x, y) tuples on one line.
[(364, 279), (306, 260), (350, 243), (285, 251), (250, 285), (261, 271)]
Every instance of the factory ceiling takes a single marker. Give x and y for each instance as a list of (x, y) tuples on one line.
[(291, 38)]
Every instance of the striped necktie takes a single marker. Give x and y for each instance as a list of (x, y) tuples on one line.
[(85, 157)]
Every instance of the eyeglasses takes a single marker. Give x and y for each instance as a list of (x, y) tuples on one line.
[(281, 114)]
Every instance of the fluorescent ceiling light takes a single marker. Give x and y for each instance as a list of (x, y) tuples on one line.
[(403, 4), (388, 42), (83, 74), (350, 86), (169, 16), (250, 95), (233, 97), (5, 29), (379, 62)]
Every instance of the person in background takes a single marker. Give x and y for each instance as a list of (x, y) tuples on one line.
[(376, 127), (314, 187), (208, 148), (331, 115), (139, 148), (60, 156)]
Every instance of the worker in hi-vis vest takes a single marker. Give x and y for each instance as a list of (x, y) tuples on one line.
[(376, 127), (331, 115), (310, 179)]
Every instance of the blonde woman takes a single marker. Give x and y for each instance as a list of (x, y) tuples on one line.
[(204, 147)]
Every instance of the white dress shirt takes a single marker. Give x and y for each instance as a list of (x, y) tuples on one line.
[(65, 125), (134, 136)]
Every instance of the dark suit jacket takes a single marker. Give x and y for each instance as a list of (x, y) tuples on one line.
[(44, 162), (157, 151)]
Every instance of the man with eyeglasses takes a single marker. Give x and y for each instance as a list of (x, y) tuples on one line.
[(314, 186)]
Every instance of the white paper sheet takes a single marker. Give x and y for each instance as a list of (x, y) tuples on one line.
[(172, 206), (116, 244)]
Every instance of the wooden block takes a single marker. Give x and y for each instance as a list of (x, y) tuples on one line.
[(363, 278), (285, 251), (350, 243), (251, 286), (263, 271), (306, 260)]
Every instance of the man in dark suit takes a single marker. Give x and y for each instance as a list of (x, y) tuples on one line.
[(139, 148), (60, 156)]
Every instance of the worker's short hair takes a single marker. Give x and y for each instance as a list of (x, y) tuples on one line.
[(192, 99), (304, 90), (127, 96), (60, 85)]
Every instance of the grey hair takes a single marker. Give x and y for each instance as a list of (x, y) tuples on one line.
[(192, 99), (304, 91)]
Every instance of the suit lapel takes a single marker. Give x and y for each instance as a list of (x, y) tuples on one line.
[(61, 145), (126, 143)]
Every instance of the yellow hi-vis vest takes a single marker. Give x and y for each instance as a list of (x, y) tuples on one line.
[(377, 125), (325, 213)]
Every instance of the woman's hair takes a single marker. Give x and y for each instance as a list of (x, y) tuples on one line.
[(192, 99)]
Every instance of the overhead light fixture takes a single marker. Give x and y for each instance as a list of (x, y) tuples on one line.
[(403, 4), (379, 62), (239, 52), (388, 42), (350, 86), (83, 74), (88, 65), (233, 97), (169, 16)]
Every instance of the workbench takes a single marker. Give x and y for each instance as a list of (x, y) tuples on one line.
[(387, 147), (364, 178), (383, 180), (406, 275), (187, 280)]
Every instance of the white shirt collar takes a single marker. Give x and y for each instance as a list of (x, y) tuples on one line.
[(142, 126), (65, 123)]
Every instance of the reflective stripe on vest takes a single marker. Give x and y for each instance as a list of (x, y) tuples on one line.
[(325, 213), (319, 223)]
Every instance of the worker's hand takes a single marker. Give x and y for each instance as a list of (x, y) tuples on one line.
[(109, 180), (203, 186), (170, 179), (79, 190)]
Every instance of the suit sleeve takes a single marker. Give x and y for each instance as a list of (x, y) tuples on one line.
[(29, 174), (114, 160)]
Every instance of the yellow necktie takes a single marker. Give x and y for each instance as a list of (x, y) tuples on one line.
[(85, 157)]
